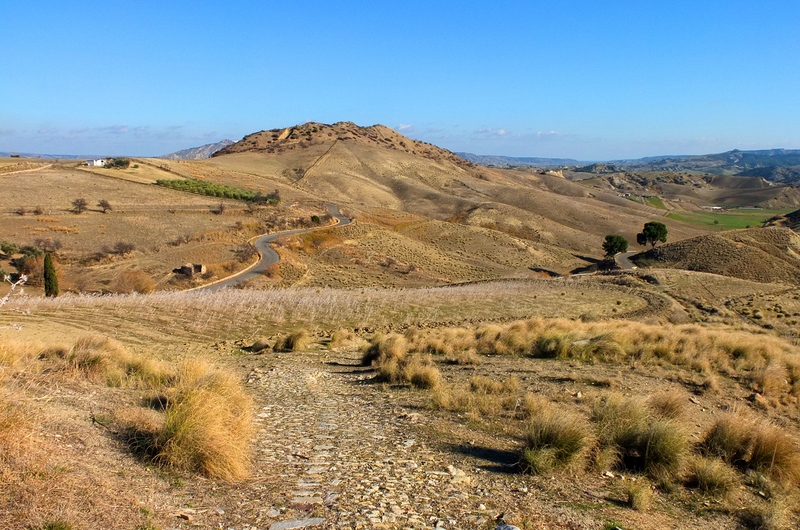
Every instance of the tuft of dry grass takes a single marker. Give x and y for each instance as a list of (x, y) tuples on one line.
[(759, 446), (644, 442), (711, 475), (101, 359), (671, 404), (421, 372), (554, 438), (342, 338), (639, 495), (383, 348), (730, 438), (206, 426), (775, 453), (297, 341)]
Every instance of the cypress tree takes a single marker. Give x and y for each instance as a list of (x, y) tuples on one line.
[(50, 278)]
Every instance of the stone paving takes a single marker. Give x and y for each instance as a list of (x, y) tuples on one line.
[(349, 459)]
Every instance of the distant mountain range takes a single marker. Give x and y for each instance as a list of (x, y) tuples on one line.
[(774, 165), (511, 161), (734, 162), (53, 157), (198, 153)]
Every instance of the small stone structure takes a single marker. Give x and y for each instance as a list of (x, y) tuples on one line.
[(190, 269)]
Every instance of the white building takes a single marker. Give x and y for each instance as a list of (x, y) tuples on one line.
[(100, 162)]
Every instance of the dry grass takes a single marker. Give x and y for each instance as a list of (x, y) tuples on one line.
[(670, 404), (103, 360), (342, 338), (639, 495), (712, 476), (133, 282), (756, 445), (775, 453), (385, 348), (208, 426), (298, 341), (205, 427), (730, 438), (644, 442), (481, 396), (554, 438)]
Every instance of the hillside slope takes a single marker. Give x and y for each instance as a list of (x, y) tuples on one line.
[(761, 254), (363, 168)]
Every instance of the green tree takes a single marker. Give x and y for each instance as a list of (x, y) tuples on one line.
[(614, 245), (652, 233), (50, 277)]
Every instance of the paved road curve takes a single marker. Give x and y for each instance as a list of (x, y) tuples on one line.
[(623, 261), (268, 255)]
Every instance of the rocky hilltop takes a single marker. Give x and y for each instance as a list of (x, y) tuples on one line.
[(313, 134), (198, 153)]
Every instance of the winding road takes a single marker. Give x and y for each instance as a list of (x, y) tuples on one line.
[(268, 255), (624, 261)]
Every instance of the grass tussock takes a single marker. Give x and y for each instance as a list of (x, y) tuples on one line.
[(671, 404), (639, 495), (343, 338), (298, 341), (643, 440), (385, 348), (554, 438), (102, 360), (773, 361), (205, 427), (711, 476), (479, 397), (753, 445)]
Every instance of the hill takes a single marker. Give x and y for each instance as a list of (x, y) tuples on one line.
[(198, 153), (759, 254), (730, 162), (369, 168)]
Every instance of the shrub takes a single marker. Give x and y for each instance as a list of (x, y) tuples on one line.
[(104, 205), (118, 163), (80, 205), (554, 438), (8, 248), (133, 282)]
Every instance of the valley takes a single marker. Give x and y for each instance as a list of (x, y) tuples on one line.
[(415, 341)]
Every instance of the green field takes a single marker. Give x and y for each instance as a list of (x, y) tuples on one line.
[(656, 202), (727, 219)]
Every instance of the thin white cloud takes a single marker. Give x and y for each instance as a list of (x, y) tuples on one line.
[(405, 127)]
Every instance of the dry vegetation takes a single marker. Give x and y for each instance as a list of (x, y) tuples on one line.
[(736, 459), (661, 396), (192, 418)]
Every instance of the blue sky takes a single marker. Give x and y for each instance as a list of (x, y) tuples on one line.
[(593, 80)]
